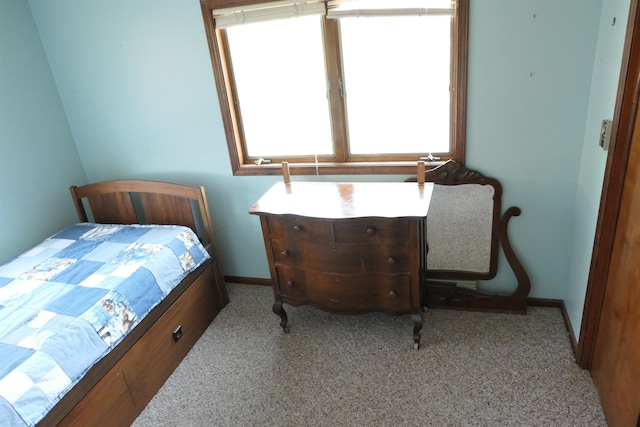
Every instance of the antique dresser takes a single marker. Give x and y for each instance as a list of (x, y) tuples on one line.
[(347, 247)]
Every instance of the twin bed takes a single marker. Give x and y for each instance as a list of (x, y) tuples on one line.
[(95, 318)]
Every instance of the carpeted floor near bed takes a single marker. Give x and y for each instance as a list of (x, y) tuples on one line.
[(474, 369)]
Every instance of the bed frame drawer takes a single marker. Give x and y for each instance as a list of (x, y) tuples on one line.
[(158, 353), (92, 410)]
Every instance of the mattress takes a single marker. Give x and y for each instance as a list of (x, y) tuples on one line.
[(70, 300)]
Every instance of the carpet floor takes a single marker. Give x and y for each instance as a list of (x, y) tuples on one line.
[(473, 369)]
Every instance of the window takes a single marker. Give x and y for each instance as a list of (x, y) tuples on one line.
[(339, 86)]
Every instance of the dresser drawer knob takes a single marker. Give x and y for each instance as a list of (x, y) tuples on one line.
[(285, 253), (297, 228), (392, 260), (371, 230), (290, 283), (393, 294)]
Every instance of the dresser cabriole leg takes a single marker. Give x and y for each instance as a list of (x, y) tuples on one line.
[(279, 310), (417, 326)]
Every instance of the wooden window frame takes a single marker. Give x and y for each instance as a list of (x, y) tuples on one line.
[(305, 166)]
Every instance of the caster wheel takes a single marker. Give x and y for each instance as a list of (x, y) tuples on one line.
[(416, 346), (285, 329)]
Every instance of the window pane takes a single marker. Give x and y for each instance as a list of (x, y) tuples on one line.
[(397, 74), (281, 85)]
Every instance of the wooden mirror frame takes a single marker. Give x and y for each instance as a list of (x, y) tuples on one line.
[(440, 294)]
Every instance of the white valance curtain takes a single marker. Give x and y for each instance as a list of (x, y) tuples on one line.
[(334, 9), (261, 12), (363, 8)]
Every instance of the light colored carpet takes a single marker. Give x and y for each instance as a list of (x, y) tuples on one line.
[(474, 369)]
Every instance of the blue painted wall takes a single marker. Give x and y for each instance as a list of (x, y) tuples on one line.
[(530, 65), (38, 157), (136, 84), (602, 100)]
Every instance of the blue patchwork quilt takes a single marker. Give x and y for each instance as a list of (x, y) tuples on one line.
[(68, 301)]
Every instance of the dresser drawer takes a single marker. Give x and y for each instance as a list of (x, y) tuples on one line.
[(291, 227), (347, 258), (371, 230), (346, 293)]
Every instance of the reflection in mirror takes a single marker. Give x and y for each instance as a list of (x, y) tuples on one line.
[(459, 228)]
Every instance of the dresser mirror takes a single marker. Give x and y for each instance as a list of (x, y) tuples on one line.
[(465, 232), (460, 230)]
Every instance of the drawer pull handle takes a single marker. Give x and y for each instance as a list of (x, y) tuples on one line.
[(371, 230), (290, 283), (297, 228), (393, 294), (392, 260), (285, 254), (177, 333)]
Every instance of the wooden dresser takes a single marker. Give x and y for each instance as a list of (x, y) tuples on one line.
[(346, 247)]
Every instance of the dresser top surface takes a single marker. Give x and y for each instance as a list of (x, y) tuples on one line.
[(332, 200)]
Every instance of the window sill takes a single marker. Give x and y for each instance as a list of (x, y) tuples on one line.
[(364, 168)]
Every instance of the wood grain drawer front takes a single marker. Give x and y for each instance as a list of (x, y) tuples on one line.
[(348, 258), (160, 349), (371, 230), (346, 293), (92, 410), (289, 227)]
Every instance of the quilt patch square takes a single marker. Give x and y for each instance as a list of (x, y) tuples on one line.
[(186, 261), (73, 233), (41, 319), (78, 249), (76, 301), (101, 232), (41, 368), (103, 281), (36, 339), (32, 294), (113, 317), (14, 385), (76, 348), (177, 246), (30, 400), (137, 291), (188, 238), (129, 234), (136, 253), (47, 269), (77, 272), (159, 235), (105, 252), (12, 357), (54, 381)]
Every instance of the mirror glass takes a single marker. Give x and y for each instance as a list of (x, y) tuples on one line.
[(459, 228)]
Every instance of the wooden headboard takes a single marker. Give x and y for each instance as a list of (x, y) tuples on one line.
[(145, 202)]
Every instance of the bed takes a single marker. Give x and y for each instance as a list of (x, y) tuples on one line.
[(136, 279)]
